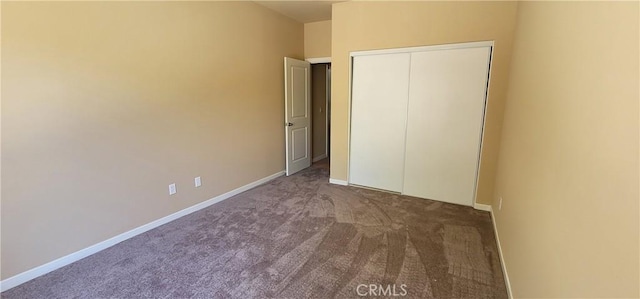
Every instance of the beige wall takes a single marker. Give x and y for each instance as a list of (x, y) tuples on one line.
[(0, 141), (319, 110), (568, 170), (317, 39), (378, 25), (104, 104)]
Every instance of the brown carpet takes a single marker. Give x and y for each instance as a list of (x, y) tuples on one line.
[(295, 237)]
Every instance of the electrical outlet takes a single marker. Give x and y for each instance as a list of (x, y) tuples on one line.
[(172, 189), (198, 182), (500, 204)]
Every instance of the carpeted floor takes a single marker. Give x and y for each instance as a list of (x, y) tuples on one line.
[(296, 237)]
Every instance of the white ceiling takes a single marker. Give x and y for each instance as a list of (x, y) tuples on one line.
[(302, 11)]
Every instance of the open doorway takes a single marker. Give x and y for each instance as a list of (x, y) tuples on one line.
[(321, 111)]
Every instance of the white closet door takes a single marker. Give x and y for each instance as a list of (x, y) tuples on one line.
[(379, 95), (446, 109)]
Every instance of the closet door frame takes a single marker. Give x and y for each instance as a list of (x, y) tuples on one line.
[(452, 46)]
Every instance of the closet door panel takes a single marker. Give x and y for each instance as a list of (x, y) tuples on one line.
[(379, 95), (445, 119)]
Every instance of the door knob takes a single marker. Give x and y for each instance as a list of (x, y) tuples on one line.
[(289, 124)]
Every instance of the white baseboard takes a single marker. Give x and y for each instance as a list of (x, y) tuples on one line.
[(78, 255), (502, 263), (482, 207), (338, 182), (318, 158)]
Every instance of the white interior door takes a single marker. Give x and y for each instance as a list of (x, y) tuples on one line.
[(445, 120), (379, 97), (297, 116)]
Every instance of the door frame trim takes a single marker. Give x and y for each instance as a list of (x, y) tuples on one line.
[(319, 60), (479, 44)]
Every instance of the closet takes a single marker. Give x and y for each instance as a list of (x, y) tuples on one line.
[(417, 117)]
